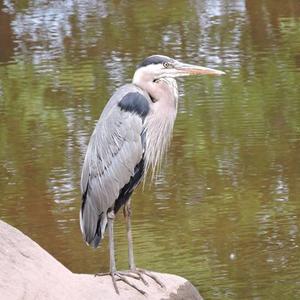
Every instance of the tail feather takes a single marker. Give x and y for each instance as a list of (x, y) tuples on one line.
[(92, 225)]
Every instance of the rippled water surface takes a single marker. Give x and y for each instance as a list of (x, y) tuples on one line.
[(225, 210)]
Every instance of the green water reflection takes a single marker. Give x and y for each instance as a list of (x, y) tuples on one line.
[(225, 210)]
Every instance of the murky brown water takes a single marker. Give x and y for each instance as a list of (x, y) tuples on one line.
[(225, 212)]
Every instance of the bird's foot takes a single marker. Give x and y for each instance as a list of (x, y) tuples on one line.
[(141, 272), (121, 276)]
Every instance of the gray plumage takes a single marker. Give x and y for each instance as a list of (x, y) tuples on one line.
[(115, 148), (131, 137)]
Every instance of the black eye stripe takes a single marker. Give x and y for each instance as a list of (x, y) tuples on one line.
[(153, 60)]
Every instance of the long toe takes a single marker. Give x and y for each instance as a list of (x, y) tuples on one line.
[(122, 276), (136, 275), (151, 275)]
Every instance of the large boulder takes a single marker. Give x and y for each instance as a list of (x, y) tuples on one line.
[(27, 271)]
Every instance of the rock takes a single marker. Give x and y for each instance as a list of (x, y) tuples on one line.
[(27, 271)]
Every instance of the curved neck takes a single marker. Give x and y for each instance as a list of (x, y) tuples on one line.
[(159, 123), (145, 82), (163, 90)]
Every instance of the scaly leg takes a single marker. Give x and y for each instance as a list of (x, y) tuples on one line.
[(132, 266), (127, 214), (115, 275), (111, 245)]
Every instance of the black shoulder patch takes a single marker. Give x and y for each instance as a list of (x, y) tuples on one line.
[(135, 103), (154, 59)]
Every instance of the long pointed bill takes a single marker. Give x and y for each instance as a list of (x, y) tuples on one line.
[(187, 69)]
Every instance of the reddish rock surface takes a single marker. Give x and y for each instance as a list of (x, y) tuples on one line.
[(27, 271)]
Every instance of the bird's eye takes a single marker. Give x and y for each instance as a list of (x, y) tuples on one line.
[(166, 64)]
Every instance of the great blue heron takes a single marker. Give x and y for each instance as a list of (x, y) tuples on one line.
[(131, 136)]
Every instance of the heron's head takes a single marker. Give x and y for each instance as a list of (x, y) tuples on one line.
[(156, 67)]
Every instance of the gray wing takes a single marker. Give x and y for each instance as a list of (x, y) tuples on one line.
[(115, 148)]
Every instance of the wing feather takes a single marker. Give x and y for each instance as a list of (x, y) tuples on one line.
[(114, 150)]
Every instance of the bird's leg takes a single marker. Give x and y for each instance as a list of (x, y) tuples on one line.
[(127, 214), (112, 262), (133, 272), (115, 275), (132, 266)]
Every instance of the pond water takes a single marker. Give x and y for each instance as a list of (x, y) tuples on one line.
[(224, 211)]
